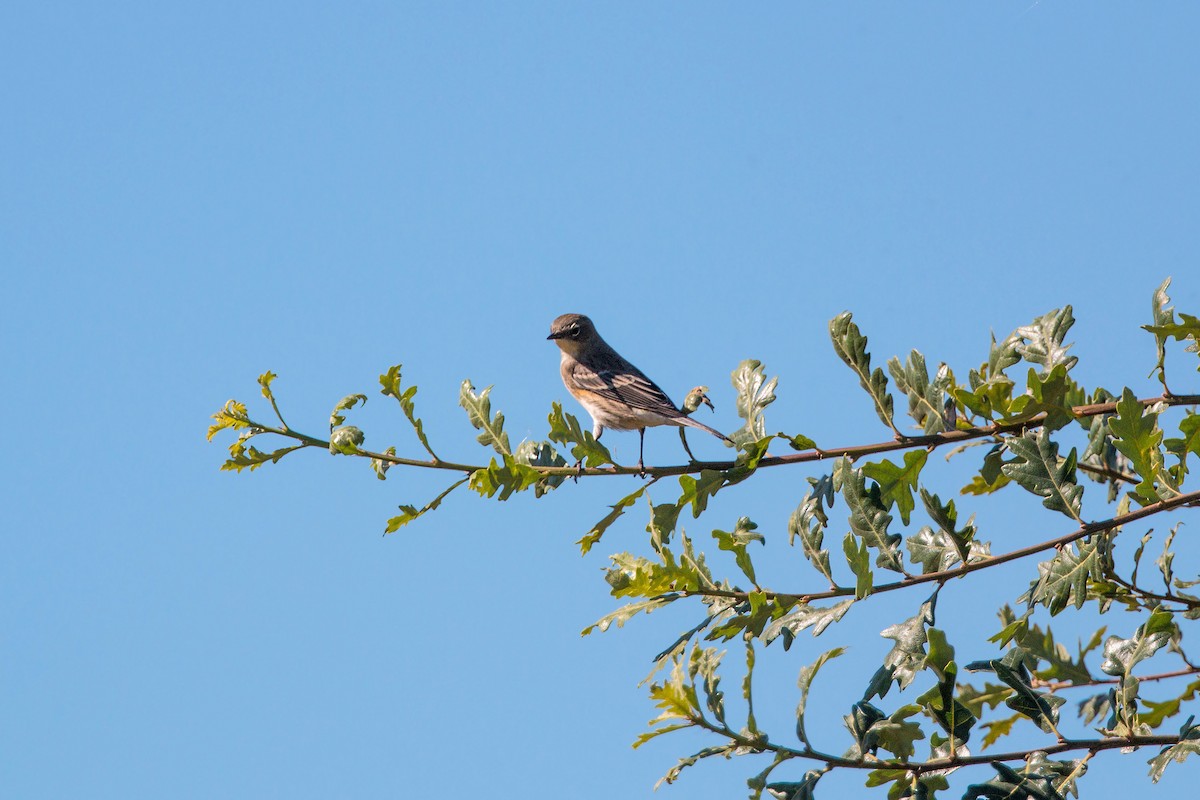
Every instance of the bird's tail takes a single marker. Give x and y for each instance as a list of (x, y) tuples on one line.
[(691, 423)]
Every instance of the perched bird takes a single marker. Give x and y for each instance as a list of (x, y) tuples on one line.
[(616, 393)]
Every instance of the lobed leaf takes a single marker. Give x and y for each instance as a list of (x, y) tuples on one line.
[(479, 412), (1038, 469), (851, 347)]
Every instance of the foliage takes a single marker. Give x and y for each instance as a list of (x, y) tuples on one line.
[(921, 716)]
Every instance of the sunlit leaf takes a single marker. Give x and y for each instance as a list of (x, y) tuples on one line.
[(1038, 469), (479, 412), (851, 347)]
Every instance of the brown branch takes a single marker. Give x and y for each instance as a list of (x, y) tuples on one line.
[(1086, 529), (761, 744), (1053, 686), (819, 454)]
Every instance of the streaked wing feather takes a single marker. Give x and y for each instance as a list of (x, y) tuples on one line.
[(628, 386)]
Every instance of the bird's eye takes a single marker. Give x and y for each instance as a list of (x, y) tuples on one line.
[(573, 331)]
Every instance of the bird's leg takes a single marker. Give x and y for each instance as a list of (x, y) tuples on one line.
[(579, 463), (641, 449), (683, 439)]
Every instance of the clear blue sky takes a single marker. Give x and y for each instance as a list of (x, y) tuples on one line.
[(191, 195)]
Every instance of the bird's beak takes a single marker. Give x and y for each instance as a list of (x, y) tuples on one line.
[(554, 336)]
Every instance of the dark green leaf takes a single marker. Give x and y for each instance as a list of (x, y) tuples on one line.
[(851, 347), (869, 519), (1137, 436), (925, 398), (1038, 469), (1042, 340), (808, 522), (1188, 745), (1121, 655), (1064, 578), (907, 657), (804, 616)]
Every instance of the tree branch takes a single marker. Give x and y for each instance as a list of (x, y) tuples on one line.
[(1087, 529), (853, 452)]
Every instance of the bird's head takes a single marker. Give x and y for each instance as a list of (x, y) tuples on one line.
[(572, 331)]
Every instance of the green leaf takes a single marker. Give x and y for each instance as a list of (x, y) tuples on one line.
[(1038, 469), (479, 412), (1137, 436), (1063, 579), (345, 404), (807, 676), (1158, 712), (597, 530), (809, 521), (1051, 393), (507, 478), (851, 347), (907, 656), (896, 483), (390, 381), (754, 393), (859, 721), (1042, 340), (859, 560), (736, 542), (232, 416), (697, 491), (1188, 745), (1059, 665), (1041, 707), (345, 440), (1163, 316), (635, 576), (926, 399), (566, 430), (381, 466), (991, 477), (997, 728), (990, 696), (541, 454), (410, 513), (869, 519), (896, 734), (945, 517), (1188, 444), (663, 518), (242, 456), (804, 616), (1121, 655), (628, 612), (1039, 779)]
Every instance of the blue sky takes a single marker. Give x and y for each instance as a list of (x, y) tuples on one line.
[(193, 195)]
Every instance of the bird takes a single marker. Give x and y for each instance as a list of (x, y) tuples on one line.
[(615, 393)]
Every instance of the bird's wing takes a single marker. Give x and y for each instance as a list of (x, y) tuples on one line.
[(625, 384)]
